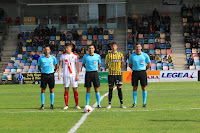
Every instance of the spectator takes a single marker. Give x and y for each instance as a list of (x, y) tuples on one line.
[(53, 31), (20, 47), (74, 33), (167, 28), (20, 35), (193, 43), (36, 57), (90, 31), (21, 40), (151, 29), (164, 60), (47, 31), (103, 56), (190, 61), (63, 36), (96, 30), (55, 47), (170, 59), (155, 13), (20, 78), (35, 42), (68, 36), (101, 30), (29, 42), (45, 41), (29, 56), (41, 42), (37, 31), (152, 57), (157, 58)]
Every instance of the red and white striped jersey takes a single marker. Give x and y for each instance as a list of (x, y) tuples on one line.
[(69, 64)]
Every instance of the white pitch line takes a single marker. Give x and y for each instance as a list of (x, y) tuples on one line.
[(37, 111), (83, 118), (148, 110)]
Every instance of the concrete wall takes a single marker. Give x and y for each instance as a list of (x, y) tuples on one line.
[(147, 6), (12, 9)]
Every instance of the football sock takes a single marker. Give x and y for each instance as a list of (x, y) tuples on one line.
[(52, 98), (87, 98), (66, 98), (42, 98), (110, 95), (76, 97), (98, 98), (120, 95), (135, 97), (144, 94)]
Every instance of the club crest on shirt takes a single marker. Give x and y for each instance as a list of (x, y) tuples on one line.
[(141, 62), (51, 64), (95, 62)]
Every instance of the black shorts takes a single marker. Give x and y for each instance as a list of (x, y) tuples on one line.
[(47, 79), (92, 77), (139, 75), (114, 79)]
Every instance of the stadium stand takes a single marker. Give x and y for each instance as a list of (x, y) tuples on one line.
[(191, 30), (153, 32), (31, 45)]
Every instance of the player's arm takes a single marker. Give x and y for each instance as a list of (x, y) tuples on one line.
[(148, 65), (60, 69), (122, 62), (77, 70), (130, 62), (148, 62), (107, 59), (83, 61), (99, 62), (55, 67)]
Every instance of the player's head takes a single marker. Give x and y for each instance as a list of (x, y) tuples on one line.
[(68, 48), (114, 46), (91, 49), (138, 48), (47, 50)]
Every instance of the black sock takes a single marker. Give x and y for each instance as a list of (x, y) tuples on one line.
[(120, 95), (110, 95)]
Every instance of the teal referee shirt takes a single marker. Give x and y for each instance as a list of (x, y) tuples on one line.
[(91, 62), (47, 64)]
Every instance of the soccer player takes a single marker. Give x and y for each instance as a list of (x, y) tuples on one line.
[(115, 62), (70, 63), (92, 63), (138, 61), (47, 65)]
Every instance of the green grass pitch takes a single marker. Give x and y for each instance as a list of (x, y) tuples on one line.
[(171, 107)]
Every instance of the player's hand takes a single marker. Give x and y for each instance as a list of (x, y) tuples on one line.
[(77, 77), (59, 77)]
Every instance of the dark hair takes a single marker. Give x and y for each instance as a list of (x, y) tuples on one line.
[(113, 43), (91, 45), (138, 44)]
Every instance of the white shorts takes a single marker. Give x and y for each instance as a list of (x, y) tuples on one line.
[(70, 80)]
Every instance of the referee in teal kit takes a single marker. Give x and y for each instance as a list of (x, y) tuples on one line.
[(92, 63), (138, 61), (46, 66)]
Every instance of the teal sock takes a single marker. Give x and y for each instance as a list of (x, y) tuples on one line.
[(98, 98), (144, 94), (87, 98), (42, 98), (52, 98), (135, 97)]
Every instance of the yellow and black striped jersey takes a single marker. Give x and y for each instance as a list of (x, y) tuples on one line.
[(114, 60)]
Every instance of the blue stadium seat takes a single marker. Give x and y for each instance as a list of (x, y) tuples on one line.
[(52, 38), (100, 37), (165, 64), (58, 55), (110, 37), (29, 49), (89, 37), (16, 64), (67, 41), (188, 51), (84, 32), (151, 35), (24, 44), (34, 61), (78, 42), (8, 67), (31, 70), (80, 60), (151, 40), (40, 48), (23, 61), (153, 61), (129, 26), (105, 42), (13, 70), (153, 68), (61, 48), (141, 41), (18, 58), (130, 46), (163, 46), (152, 51)]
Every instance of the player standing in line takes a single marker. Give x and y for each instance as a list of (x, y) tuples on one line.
[(115, 62), (92, 63), (138, 61), (47, 65), (70, 63)]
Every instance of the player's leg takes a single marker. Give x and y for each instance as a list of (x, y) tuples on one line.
[(96, 84), (51, 83), (135, 79), (74, 85), (66, 83), (118, 82), (111, 84), (88, 86), (43, 87), (143, 82)]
